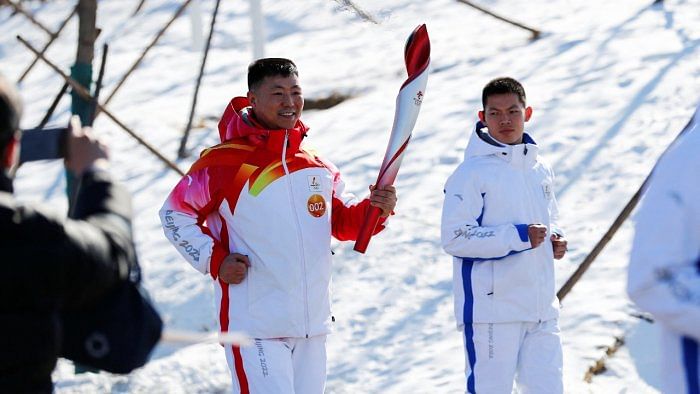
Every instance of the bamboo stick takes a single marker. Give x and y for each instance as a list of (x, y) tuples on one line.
[(535, 33), (182, 151)]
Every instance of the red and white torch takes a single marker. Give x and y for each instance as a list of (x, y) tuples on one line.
[(408, 102)]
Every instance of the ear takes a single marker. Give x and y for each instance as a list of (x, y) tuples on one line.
[(251, 98), (11, 153), (528, 113), (481, 116)]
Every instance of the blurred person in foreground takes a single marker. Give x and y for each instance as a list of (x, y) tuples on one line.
[(49, 263), (270, 208), (664, 269), (499, 221)]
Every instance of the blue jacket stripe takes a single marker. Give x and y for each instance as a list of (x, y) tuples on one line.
[(468, 317), (690, 362), (483, 207), (522, 232), (512, 252)]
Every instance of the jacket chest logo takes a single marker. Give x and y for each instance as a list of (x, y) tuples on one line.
[(314, 183), (316, 205), (547, 190)]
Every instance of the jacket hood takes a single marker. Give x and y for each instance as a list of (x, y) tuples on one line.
[(482, 144), (238, 121)]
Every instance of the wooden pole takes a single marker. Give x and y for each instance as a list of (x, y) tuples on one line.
[(573, 279), (53, 106), (145, 51), (359, 11), (82, 68), (58, 98), (18, 9), (54, 36), (86, 95), (138, 8), (626, 211), (182, 152), (535, 33), (98, 85)]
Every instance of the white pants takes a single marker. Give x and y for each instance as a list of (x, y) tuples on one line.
[(679, 363), (279, 366), (497, 354)]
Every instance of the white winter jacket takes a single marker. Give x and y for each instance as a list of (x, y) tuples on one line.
[(664, 270), (260, 194), (490, 200)]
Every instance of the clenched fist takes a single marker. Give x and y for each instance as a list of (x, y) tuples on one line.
[(536, 232), (559, 245), (234, 268)]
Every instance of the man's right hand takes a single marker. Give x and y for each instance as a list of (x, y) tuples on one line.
[(84, 150), (234, 268), (536, 232)]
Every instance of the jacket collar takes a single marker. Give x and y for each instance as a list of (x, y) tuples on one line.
[(238, 122), (520, 155)]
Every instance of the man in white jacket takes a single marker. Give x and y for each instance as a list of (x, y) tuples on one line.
[(664, 269), (499, 223)]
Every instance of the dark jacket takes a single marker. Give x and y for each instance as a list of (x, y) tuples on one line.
[(49, 264)]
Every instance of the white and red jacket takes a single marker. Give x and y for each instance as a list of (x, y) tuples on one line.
[(259, 194)]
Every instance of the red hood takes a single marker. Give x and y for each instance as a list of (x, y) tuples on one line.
[(237, 122)]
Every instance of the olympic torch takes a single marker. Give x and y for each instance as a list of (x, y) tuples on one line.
[(408, 102)]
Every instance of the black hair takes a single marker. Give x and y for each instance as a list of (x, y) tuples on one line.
[(269, 67), (503, 85), (10, 112)]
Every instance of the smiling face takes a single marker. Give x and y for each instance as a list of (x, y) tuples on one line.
[(277, 102), (505, 116)]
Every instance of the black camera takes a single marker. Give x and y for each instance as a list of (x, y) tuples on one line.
[(43, 144)]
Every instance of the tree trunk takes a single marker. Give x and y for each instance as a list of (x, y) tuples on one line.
[(82, 70)]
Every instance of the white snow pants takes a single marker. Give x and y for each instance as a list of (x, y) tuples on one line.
[(679, 363), (279, 366), (497, 354)]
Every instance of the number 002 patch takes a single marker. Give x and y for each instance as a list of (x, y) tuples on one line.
[(316, 205)]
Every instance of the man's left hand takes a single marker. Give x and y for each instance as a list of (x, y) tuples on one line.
[(558, 246), (383, 198)]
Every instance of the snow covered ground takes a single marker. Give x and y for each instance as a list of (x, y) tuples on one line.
[(611, 84)]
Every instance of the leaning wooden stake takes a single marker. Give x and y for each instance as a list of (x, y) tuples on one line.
[(138, 8), (359, 11), (98, 85), (58, 98), (182, 152), (78, 88), (53, 106), (18, 9), (573, 279), (54, 36), (601, 244), (145, 51), (535, 33)]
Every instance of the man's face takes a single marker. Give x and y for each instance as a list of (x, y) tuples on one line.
[(277, 102), (505, 116)]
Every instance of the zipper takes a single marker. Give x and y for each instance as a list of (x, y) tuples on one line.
[(530, 201), (299, 237)]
